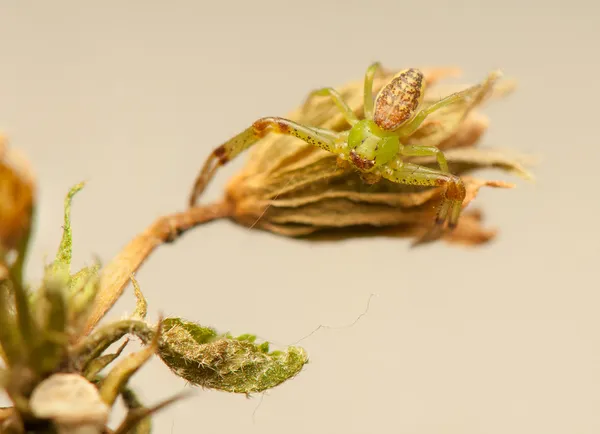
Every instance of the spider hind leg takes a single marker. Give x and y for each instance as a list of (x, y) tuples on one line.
[(454, 191)]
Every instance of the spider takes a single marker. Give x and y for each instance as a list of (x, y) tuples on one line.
[(373, 145)]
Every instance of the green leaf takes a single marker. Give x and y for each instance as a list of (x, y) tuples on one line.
[(138, 419), (11, 340), (112, 385), (79, 279), (141, 305), (52, 313), (65, 249), (94, 367), (85, 351), (83, 290), (236, 365)]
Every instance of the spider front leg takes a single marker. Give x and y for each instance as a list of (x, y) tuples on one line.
[(414, 174), (369, 101), (221, 155), (337, 100), (473, 93), (412, 125)]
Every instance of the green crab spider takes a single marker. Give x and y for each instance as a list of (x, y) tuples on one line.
[(373, 145)]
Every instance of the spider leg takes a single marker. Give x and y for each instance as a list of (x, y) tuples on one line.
[(333, 135), (414, 174), (226, 152), (412, 125), (338, 101), (426, 151), (472, 94), (369, 101)]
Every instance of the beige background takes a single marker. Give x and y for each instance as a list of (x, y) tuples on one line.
[(131, 96)]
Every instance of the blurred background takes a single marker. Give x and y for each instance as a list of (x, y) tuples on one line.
[(132, 96)]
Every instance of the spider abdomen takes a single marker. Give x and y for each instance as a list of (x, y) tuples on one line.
[(398, 101)]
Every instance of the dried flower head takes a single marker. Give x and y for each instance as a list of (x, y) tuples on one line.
[(291, 188)]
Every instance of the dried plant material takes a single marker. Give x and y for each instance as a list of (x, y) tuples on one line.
[(17, 208), (95, 366), (239, 365), (17, 197), (5, 413), (92, 347), (464, 160), (141, 305), (116, 275), (10, 337), (72, 403), (138, 420), (377, 146), (50, 331), (111, 386), (294, 189), (52, 315)]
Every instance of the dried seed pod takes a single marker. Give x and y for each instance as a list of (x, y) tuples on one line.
[(293, 189)]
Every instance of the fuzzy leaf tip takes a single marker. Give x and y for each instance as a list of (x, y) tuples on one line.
[(65, 249)]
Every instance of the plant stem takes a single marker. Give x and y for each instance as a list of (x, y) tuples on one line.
[(116, 275)]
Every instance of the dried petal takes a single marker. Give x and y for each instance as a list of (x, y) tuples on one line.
[(465, 160)]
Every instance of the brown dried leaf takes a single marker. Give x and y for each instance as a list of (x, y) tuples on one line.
[(469, 232), (352, 208)]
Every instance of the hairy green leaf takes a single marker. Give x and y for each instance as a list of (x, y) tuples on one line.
[(237, 365)]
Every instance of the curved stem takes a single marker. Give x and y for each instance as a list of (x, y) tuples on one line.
[(116, 275)]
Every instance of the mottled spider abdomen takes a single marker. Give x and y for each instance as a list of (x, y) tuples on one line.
[(398, 101)]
